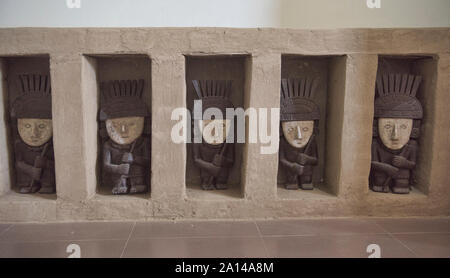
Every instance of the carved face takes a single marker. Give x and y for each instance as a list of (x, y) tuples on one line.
[(298, 133), (35, 132), (215, 132), (394, 133), (124, 131)]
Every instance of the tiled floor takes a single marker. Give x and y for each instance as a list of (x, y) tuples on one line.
[(405, 237)]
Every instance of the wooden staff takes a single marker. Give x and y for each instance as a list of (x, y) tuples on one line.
[(35, 162)]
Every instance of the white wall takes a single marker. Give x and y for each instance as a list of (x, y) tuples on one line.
[(225, 13)]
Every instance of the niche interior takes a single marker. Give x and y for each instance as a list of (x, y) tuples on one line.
[(126, 81), (329, 75), (26, 78), (425, 68), (216, 67)]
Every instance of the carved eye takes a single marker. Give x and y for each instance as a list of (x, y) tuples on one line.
[(305, 129), (290, 129), (388, 126), (41, 126), (403, 126), (27, 125)]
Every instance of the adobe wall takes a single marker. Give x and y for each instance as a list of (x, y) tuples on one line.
[(75, 64)]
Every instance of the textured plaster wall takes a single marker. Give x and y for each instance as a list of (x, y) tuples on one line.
[(351, 90)]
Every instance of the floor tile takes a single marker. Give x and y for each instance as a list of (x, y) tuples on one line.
[(67, 231), (318, 227), (4, 227), (58, 249), (331, 246), (195, 247), (422, 225), (431, 245), (194, 229)]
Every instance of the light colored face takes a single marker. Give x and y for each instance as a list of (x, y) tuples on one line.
[(35, 132), (124, 131), (215, 132), (394, 133), (298, 133)]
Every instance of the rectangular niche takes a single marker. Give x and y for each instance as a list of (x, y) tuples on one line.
[(426, 67), (33, 68), (216, 67), (97, 70), (330, 74)]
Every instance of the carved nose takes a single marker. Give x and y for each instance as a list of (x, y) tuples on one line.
[(36, 132), (394, 135), (299, 133), (124, 128)]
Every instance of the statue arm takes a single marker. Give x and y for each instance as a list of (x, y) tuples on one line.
[(375, 164), (286, 163), (229, 157), (144, 158), (107, 165), (20, 163), (311, 156), (199, 162), (410, 163)]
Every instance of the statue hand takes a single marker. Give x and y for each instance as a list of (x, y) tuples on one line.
[(391, 170), (36, 173), (302, 158), (127, 158), (297, 168), (215, 170), (124, 169), (218, 160), (399, 161), (39, 162)]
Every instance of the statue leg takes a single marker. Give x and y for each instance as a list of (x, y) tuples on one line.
[(222, 179), (120, 185), (206, 180), (401, 186), (47, 182), (26, 188), (291, 181), (306, 182), (137, 185), (377, 183)]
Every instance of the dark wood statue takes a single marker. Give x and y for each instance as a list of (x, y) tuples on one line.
[(126, 153), (33, 148), (214, 156), (396, 126), (299, 119)]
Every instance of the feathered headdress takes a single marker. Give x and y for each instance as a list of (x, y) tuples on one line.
[(122, 98), (35, 100), (297, 102), (214, 93), (397, 96)]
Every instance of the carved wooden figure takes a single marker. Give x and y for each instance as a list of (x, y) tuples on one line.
[(299, 119), (396, 126), (214, 156), (126, 153), (34, 158)]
